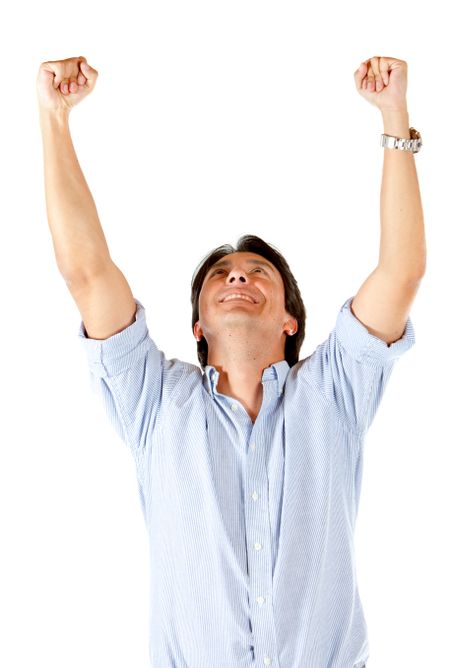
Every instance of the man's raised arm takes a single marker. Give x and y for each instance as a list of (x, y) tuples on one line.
[(384, 300), (99, 288)]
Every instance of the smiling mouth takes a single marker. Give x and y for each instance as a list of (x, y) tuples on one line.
[(242, 298)]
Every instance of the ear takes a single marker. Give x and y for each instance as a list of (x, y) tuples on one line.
[(290, 327), (198, 331)]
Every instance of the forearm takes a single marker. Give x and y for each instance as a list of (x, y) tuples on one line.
[(402, 244), (78, 240)]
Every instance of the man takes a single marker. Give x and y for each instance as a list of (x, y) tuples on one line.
[(249, 468)]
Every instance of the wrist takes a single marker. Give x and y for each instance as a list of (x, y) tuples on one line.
[(54, 117), (396, 122)]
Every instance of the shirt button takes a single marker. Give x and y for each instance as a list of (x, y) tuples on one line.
[(255, 496), (258, 546), (267, 661), (234, 407), (260, 600), (253, 446)]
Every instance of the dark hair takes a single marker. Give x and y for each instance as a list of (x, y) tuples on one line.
[(293, 300)]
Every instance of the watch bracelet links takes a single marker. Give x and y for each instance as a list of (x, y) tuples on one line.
[(412, 144)]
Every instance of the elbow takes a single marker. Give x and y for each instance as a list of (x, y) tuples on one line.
[(410, 274), (421, 265), (423, 269), (417, 270), (416, 273)]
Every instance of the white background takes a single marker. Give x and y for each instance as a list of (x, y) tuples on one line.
[(211, 120)]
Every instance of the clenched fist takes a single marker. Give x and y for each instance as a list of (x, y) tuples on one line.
[(382, 81), (61, 84)]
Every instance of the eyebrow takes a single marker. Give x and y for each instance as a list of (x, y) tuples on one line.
[(226, 263)]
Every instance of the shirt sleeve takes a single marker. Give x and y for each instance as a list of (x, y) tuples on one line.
[(132, 377), (353, 366)]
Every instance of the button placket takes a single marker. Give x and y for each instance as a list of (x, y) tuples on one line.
[(258, 536)]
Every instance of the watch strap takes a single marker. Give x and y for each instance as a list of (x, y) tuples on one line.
[(412, 144)]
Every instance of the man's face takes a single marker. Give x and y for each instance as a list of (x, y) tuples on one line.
[(260, 306)]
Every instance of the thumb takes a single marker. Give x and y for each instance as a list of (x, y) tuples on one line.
[(88, 72)]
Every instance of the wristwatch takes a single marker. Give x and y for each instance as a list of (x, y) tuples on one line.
[(412, 144)]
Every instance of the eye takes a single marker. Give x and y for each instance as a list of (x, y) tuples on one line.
[(217, 271)]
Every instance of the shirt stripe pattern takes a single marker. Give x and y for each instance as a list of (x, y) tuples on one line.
[(250, 525)]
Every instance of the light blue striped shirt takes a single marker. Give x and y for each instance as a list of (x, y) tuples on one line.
[(250, 526)]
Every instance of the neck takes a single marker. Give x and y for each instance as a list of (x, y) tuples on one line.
[(241, 368)]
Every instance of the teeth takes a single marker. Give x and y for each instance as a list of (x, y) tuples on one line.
[(237, 296)]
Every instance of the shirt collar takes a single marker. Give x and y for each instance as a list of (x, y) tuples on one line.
[(276, 372)]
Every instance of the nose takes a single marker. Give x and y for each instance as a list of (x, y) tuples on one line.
[(237, 275)]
